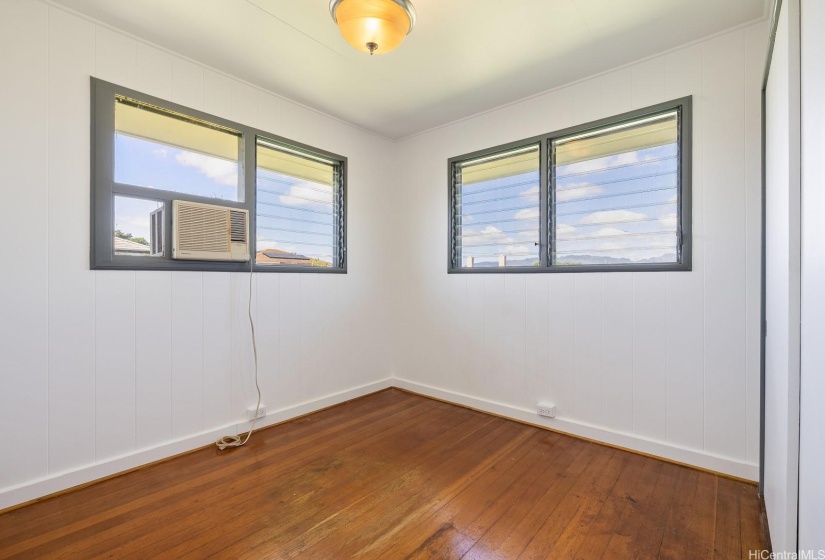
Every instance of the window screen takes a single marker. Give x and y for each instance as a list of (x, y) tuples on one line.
[(616, 194), (299, 208), (496, 210)]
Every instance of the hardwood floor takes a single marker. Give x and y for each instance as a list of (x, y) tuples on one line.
[(395, 475)]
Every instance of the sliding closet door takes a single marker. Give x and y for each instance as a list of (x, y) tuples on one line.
[(782, 282), (812, 409)]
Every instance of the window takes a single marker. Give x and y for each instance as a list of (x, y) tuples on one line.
[(153, 160), (497, 209), (299, 207), (160, 149), (617, 198)]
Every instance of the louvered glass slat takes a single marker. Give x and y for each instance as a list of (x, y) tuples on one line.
[(297, 208), (616, 194), (496, 201)]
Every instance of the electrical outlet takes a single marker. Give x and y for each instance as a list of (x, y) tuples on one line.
[(250, 412), (547, 409)]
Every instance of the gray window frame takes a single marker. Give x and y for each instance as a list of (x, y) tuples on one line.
[(104, 189), (683, 105)]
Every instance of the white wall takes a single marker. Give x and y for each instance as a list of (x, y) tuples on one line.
[(782, 282), (98, 367), (663, 362), (812, 411)]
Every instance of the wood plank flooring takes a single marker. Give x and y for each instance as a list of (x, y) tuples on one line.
[(395, 475)]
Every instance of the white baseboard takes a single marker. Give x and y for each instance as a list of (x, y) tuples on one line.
[(669, 451), (61, 481)]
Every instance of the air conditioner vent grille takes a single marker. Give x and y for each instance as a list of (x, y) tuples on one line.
[(202, 229), (237, 223)]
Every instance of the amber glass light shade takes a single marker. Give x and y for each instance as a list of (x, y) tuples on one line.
[(372, 26)]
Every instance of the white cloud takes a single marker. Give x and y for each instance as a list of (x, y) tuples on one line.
[(673, 199), (669, 220), (531, 191), (484, 236), (607, 232), (160, 153), (219, 170), (565, 228), (527, 214), (612, 216), (577, 191), (307, 196)]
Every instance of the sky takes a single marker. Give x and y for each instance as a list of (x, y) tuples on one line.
[(617, 207), (293, 215)]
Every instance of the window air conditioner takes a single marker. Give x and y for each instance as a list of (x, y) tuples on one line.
[(206, 232)]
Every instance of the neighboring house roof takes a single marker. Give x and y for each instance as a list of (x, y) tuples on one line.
[(124, 246), (277, 256)]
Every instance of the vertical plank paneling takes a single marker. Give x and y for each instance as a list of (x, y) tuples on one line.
[(588, 347), (217, 350), (562, 341), (269, 113), (617, 352), (244, 104), (648, 82), (153, 353), (289, 336), (71, 298), (187, 84), (474, 325), (537, 321), (495, 367), (115, 61), (114, 363), (685, 324), (24, 307), (725, 382), (308, 345), (328, 331), (187, 353), (115, 57), (617, 92), (649, 354), (153, 71), (217, 93), (587, 98), (456, 335), (515, 338), (242, 358)]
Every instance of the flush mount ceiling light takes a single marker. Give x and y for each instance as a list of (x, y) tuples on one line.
[(373, 26)]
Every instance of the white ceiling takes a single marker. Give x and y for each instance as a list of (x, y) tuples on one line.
[(464, 56)]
